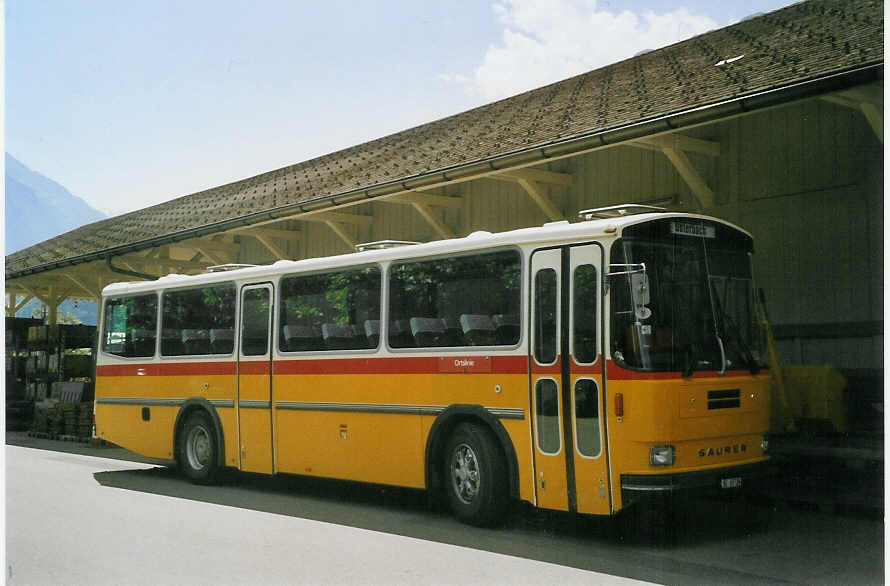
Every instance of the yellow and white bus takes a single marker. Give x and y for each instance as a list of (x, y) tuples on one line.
[(576, 366)]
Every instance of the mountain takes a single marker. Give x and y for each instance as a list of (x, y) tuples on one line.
[(38, 208)]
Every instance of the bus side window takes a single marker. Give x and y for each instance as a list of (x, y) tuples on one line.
[(194, 321), (467, 300), (545, 316), (587, 426), (330, 311), (131, 326), (584, 306)]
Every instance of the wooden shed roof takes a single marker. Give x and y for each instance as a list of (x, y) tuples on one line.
[(809, 41)]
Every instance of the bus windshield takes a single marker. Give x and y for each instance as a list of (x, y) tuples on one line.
[(683, 299)]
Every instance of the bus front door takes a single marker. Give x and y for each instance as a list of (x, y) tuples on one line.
[(571, 463), (255, 380)]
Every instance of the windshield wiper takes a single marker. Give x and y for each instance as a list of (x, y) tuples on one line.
[(726, 320)]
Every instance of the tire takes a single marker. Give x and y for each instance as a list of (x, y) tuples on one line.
[(475, 476), (198, 450)]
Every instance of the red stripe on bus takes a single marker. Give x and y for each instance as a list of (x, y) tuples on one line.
[(167, 369), (407, 365), (254, 367)]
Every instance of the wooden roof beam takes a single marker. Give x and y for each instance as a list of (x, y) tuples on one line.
[(543, 202), (437, 225), (868, 100), (337, 217), (679, 142), (427, 199), (691, 176), (267, 241), (341, 232), (537, 175)]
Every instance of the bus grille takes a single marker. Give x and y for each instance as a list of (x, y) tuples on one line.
[(724, 399)]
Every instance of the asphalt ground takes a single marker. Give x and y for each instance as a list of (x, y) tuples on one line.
[(710, 542)]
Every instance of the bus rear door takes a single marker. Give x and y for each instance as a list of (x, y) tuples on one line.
[(255, 380), (571, 463)]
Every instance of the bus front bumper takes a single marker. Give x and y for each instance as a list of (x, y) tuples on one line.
[(635, 487)]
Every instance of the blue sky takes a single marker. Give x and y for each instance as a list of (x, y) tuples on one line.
[(129, 104)]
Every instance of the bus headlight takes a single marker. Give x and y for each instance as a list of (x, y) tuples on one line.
[(661, 455), (764, 444)]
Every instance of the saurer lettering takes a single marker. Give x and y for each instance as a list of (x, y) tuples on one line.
[(723, 450)]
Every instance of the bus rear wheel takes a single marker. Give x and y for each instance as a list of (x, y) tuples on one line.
[(198, 451), (475, 476)]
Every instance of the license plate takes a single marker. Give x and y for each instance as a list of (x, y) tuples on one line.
[(730, 483)]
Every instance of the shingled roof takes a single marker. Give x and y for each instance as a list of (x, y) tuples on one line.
[(804, 42)]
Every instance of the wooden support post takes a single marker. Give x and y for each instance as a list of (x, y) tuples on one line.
[(440, 228)]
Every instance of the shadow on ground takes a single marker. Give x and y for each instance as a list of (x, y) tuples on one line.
[(572, 540)]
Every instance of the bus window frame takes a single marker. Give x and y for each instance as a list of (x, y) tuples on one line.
[(101, 334), (523, 268), (235, 327), (279, 294)]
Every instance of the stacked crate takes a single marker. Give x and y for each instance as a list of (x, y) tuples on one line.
[(85, 421)]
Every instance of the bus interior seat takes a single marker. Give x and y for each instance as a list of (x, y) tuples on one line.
[(506, 326), (143, 342), (427, 331), (478, 329), (400, 334), (372, 332), (454, 336), (196, 341), (222, 340), (340, 336), (302, 338), (171, 342)]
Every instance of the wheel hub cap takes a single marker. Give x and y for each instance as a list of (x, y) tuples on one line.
[(465, 473)]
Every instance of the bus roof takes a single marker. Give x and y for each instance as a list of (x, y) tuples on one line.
[(606, 228)]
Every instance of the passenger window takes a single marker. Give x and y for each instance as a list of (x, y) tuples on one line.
[(131, 326), (470, 300), (198, 321), (584, 314), (255, 322), (587, 421), (330, 311), (545, 316), (547, 416)]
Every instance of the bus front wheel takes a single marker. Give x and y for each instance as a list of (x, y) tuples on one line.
[(198, 450), (475, 476)]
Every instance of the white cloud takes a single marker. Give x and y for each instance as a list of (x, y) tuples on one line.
[(548, 40)]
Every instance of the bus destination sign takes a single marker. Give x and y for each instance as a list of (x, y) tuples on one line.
[(693, 229)]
